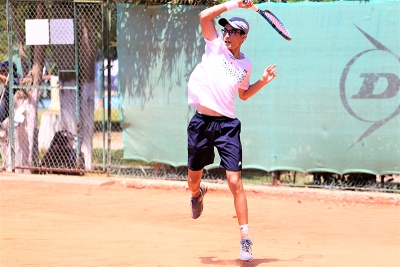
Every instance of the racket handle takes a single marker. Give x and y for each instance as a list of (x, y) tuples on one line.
[(252, 7)]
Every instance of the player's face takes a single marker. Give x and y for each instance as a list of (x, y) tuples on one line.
[(233, 37)]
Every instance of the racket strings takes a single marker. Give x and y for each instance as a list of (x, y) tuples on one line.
[(275, 23)]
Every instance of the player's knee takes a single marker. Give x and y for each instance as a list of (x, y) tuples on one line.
[(235, 184)]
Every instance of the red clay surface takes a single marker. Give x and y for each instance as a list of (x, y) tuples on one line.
[(147, 223)]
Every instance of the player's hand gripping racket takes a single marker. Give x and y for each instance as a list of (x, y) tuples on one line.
[(273, 21)]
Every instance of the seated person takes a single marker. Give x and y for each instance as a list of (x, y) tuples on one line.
[(4, 98)]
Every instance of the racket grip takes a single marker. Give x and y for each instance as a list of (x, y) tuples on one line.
[(252, 7)]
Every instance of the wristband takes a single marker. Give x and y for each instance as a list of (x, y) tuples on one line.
[(231, 5)]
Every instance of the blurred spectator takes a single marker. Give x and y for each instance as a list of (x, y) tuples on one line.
[(276, 178), (158, 167), (5, 80)]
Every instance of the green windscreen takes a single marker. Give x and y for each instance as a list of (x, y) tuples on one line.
[(334, 105)]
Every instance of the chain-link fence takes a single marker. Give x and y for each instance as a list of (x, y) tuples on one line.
[(48, 118)]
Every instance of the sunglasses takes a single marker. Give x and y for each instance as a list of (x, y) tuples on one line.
[(232, 32)]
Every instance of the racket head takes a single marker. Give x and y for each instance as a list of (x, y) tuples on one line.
[(275, 23)]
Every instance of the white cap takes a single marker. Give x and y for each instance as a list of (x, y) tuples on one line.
[(237, 23)]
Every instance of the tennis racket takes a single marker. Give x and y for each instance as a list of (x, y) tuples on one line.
[(273, 21)]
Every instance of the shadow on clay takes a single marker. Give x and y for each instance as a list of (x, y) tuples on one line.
[(255, 262)]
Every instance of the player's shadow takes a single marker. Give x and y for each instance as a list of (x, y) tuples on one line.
[(255, 262)]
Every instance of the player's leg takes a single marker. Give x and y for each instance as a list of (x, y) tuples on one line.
[(200, 154), (194, 179), (198, 192), (239, 197), (240, 202), (230, 150)]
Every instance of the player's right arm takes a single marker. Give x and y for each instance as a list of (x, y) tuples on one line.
[(207, 20)]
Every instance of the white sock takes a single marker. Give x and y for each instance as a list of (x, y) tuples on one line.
[(244, 230)]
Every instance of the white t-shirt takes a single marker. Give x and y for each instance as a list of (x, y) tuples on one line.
[(215, 81)]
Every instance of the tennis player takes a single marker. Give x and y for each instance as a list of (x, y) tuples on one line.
[(223, 72)]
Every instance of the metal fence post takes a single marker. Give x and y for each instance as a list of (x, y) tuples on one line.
[(108, 89), (77, 99), (11, 86)]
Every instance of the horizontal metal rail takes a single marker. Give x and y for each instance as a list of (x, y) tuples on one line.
[(61, 170), (43, 87)]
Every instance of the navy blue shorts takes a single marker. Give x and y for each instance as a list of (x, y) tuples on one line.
[(205, 133)]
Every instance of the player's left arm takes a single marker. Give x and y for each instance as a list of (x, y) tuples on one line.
[(268, 75)]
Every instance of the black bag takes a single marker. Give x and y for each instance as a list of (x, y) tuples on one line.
[(62, 154)]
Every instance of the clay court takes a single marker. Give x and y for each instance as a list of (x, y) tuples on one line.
[(89, 221)]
